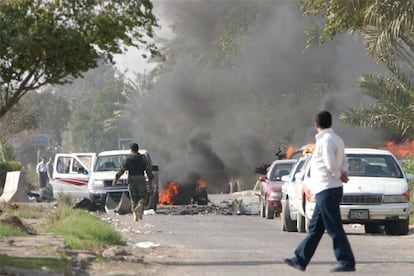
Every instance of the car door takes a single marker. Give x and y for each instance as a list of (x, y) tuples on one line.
[(71, 172), (298, 187)]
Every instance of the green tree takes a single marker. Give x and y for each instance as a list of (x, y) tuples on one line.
[(393, 107), (387, 27), (51, 112), (50, 42), (92, 119)]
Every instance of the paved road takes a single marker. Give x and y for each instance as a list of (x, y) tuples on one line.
[(251, 245)]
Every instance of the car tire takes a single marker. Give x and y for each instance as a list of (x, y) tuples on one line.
[(398, 227), (269, 211), (300, 223), (288, 224), (154, 202), (373, 228)]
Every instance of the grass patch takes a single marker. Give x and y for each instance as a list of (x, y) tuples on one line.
[(81, 230), (7, 230), (57, 265), (23, 211)]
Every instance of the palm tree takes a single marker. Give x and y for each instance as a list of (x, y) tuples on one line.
[(389, 30), (393, 108), (387, 27)]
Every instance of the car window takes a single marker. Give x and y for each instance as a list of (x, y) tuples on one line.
[(63, 164), (281, 170), (373, 165), (297, 168), (110, 163)]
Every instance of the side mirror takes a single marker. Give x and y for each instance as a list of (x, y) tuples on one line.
[(285, 178), (410, 176), (263, 178), (155, 168), (299, 175)]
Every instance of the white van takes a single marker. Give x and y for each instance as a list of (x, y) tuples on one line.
[(85, 175)]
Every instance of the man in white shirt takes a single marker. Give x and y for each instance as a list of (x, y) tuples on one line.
[(328, 172), (41, 170)]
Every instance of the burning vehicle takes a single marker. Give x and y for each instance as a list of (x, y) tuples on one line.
[(190, 193)]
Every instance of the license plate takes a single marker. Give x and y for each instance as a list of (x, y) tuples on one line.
[(359, 214)]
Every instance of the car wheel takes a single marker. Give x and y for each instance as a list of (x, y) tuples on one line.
[(398, 227), (154, 201), (270, 212), (287, 223), (300, 223), (373, 228), (307, 222)]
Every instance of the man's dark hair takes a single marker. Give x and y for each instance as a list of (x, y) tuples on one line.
[(324, 119), (134, 147)]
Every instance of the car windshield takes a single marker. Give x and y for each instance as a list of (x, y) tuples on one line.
[(281, 170), (109, 163), (373, 165)]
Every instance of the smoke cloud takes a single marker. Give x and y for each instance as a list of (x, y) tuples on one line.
[(220, 117)]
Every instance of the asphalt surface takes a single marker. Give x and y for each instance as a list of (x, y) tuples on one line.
[(217, 244)]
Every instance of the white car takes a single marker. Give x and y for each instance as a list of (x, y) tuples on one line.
[(85, 175), (290, 191), (377, 194)]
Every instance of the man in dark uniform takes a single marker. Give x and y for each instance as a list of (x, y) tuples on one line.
[(136, 164)]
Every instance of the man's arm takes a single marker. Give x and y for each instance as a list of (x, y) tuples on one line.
[(120, 173), (148, 170)]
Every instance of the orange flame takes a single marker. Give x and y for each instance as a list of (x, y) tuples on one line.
[(290, 151), (202, 184), (401, 150), (167, 196), (308, 149)]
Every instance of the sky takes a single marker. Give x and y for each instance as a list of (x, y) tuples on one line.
[(201, 120)]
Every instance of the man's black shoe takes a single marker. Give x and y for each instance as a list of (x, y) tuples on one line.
[(293, 263), (342, 268)]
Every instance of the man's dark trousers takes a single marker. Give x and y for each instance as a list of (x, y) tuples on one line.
[(326, 216)]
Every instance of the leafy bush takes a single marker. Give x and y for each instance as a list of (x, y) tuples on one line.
[(8, 166)]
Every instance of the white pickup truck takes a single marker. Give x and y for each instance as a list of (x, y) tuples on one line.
[(87, 175)]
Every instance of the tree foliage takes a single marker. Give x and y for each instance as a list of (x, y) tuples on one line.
[(387, 27), (99, 105), (47, 42), (393, 107)]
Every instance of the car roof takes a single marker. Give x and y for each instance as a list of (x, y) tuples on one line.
[(119, 152), (284, 161), (366, 151)]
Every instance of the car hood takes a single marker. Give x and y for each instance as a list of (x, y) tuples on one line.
[(375, 185), (106, 175)]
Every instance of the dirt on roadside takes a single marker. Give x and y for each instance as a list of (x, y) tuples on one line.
[(131, 259)]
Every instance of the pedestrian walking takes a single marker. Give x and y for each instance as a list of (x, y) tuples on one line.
[(41, 170), (136, 164), (328, 173)]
